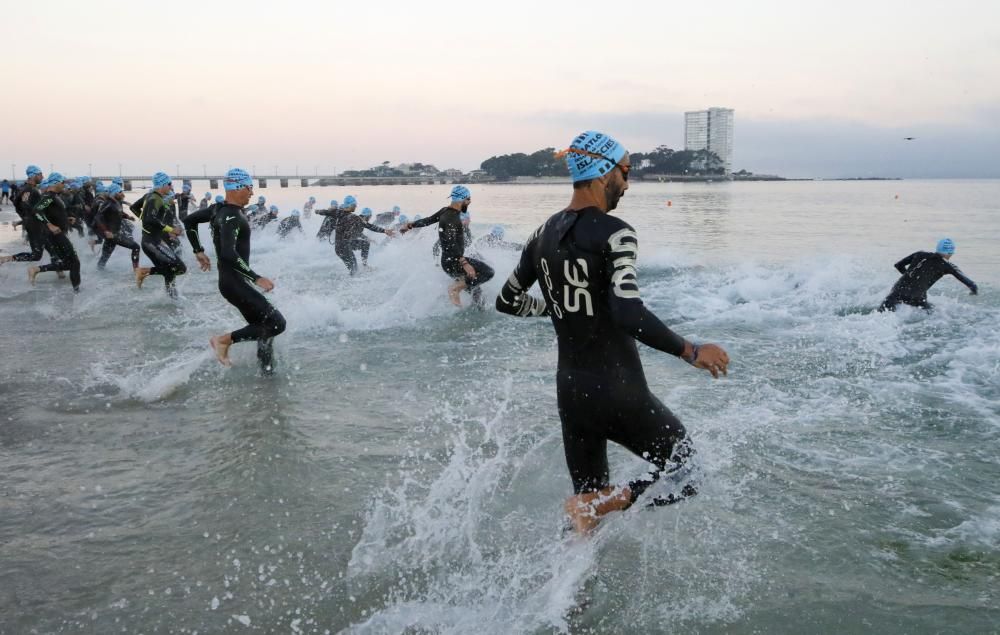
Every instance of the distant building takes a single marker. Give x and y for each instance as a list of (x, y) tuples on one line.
[(453, 173), (711, 130)]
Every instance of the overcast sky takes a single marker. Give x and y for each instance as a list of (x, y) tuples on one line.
[(819, 88)]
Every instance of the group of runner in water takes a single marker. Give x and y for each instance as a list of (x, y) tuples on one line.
[(583, 258)]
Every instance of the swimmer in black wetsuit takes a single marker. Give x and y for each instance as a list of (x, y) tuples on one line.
[(237, 281), (494, 240), (332, 215), (468, 273), (584, 261), (286, 225), (185, 200), (920, 271), (26, 197), (108, 224), (51, 212), (157, 232), (350, 237)]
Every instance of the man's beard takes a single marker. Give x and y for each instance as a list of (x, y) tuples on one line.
[(612, 194)]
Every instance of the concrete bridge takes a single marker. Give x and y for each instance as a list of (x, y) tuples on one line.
[(311, 181)]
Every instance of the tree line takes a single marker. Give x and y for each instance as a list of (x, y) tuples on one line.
[(662, 160)]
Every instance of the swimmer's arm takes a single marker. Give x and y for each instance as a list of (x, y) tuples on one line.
[(955, 271), (514, 298), (191, 223), (325, 212), (374, 228), (627, 309), (902, 265), (424, 222)]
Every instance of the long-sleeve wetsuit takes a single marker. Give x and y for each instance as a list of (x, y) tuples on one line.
[(51, 209), (333, 216), (157, 216), (451, 236), (585, 264), (920, 271), (350, 236), (26, 199), (231, 237), (108, 219), (288, 224)]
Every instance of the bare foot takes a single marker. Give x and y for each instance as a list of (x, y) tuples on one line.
[(221, 349), (32, 272), (6, 259), (141, 273), (586, 510), (454, 292)]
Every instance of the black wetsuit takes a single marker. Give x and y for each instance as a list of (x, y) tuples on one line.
[(329, 225), (350, 236), (385, 218), (451, 235), (52, 209), (157, 242), (38, 235), (74, 210), (584, 263), (108, 218), (184, 200), (920, 271), (231, 237), (288, 224)]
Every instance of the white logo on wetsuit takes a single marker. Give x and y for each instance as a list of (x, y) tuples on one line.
[(575, 294), (625, 247)]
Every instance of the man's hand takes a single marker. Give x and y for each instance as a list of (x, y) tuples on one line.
[(390, 233), (54, 228), (469, 270), (712, 358), (264, 284), (203, 261), (405, 228)]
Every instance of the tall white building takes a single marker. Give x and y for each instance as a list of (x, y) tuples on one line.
[(712, 130)]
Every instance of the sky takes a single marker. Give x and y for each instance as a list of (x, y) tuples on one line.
[(820, 89)]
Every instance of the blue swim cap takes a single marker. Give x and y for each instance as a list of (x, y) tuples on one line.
[(295, 212), (119, 180), (349, 200), (403, 220), (98, 183), (460, 193), (274, 208), (366, 211), (592, 155), (497, 231), (32, 170), (85, 179), (53, 179), (395, 209), (160, 179), (946, 246), (312, 199), (114, 189), (464, 216), (219, 198), (99, 188), (334, 203), (169, 196), (237, 179), (261, 200), (187, 187)]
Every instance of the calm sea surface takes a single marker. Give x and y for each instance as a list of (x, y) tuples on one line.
[(403, 471)]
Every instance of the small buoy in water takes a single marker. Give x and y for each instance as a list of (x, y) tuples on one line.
[(897, 197), (669, 203)]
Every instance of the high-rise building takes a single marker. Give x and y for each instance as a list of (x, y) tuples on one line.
[(711, 130)]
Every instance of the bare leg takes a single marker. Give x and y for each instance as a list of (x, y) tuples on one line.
[(141, 273), (454, 291), (32, 272), (586, 510), (220, 344)]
